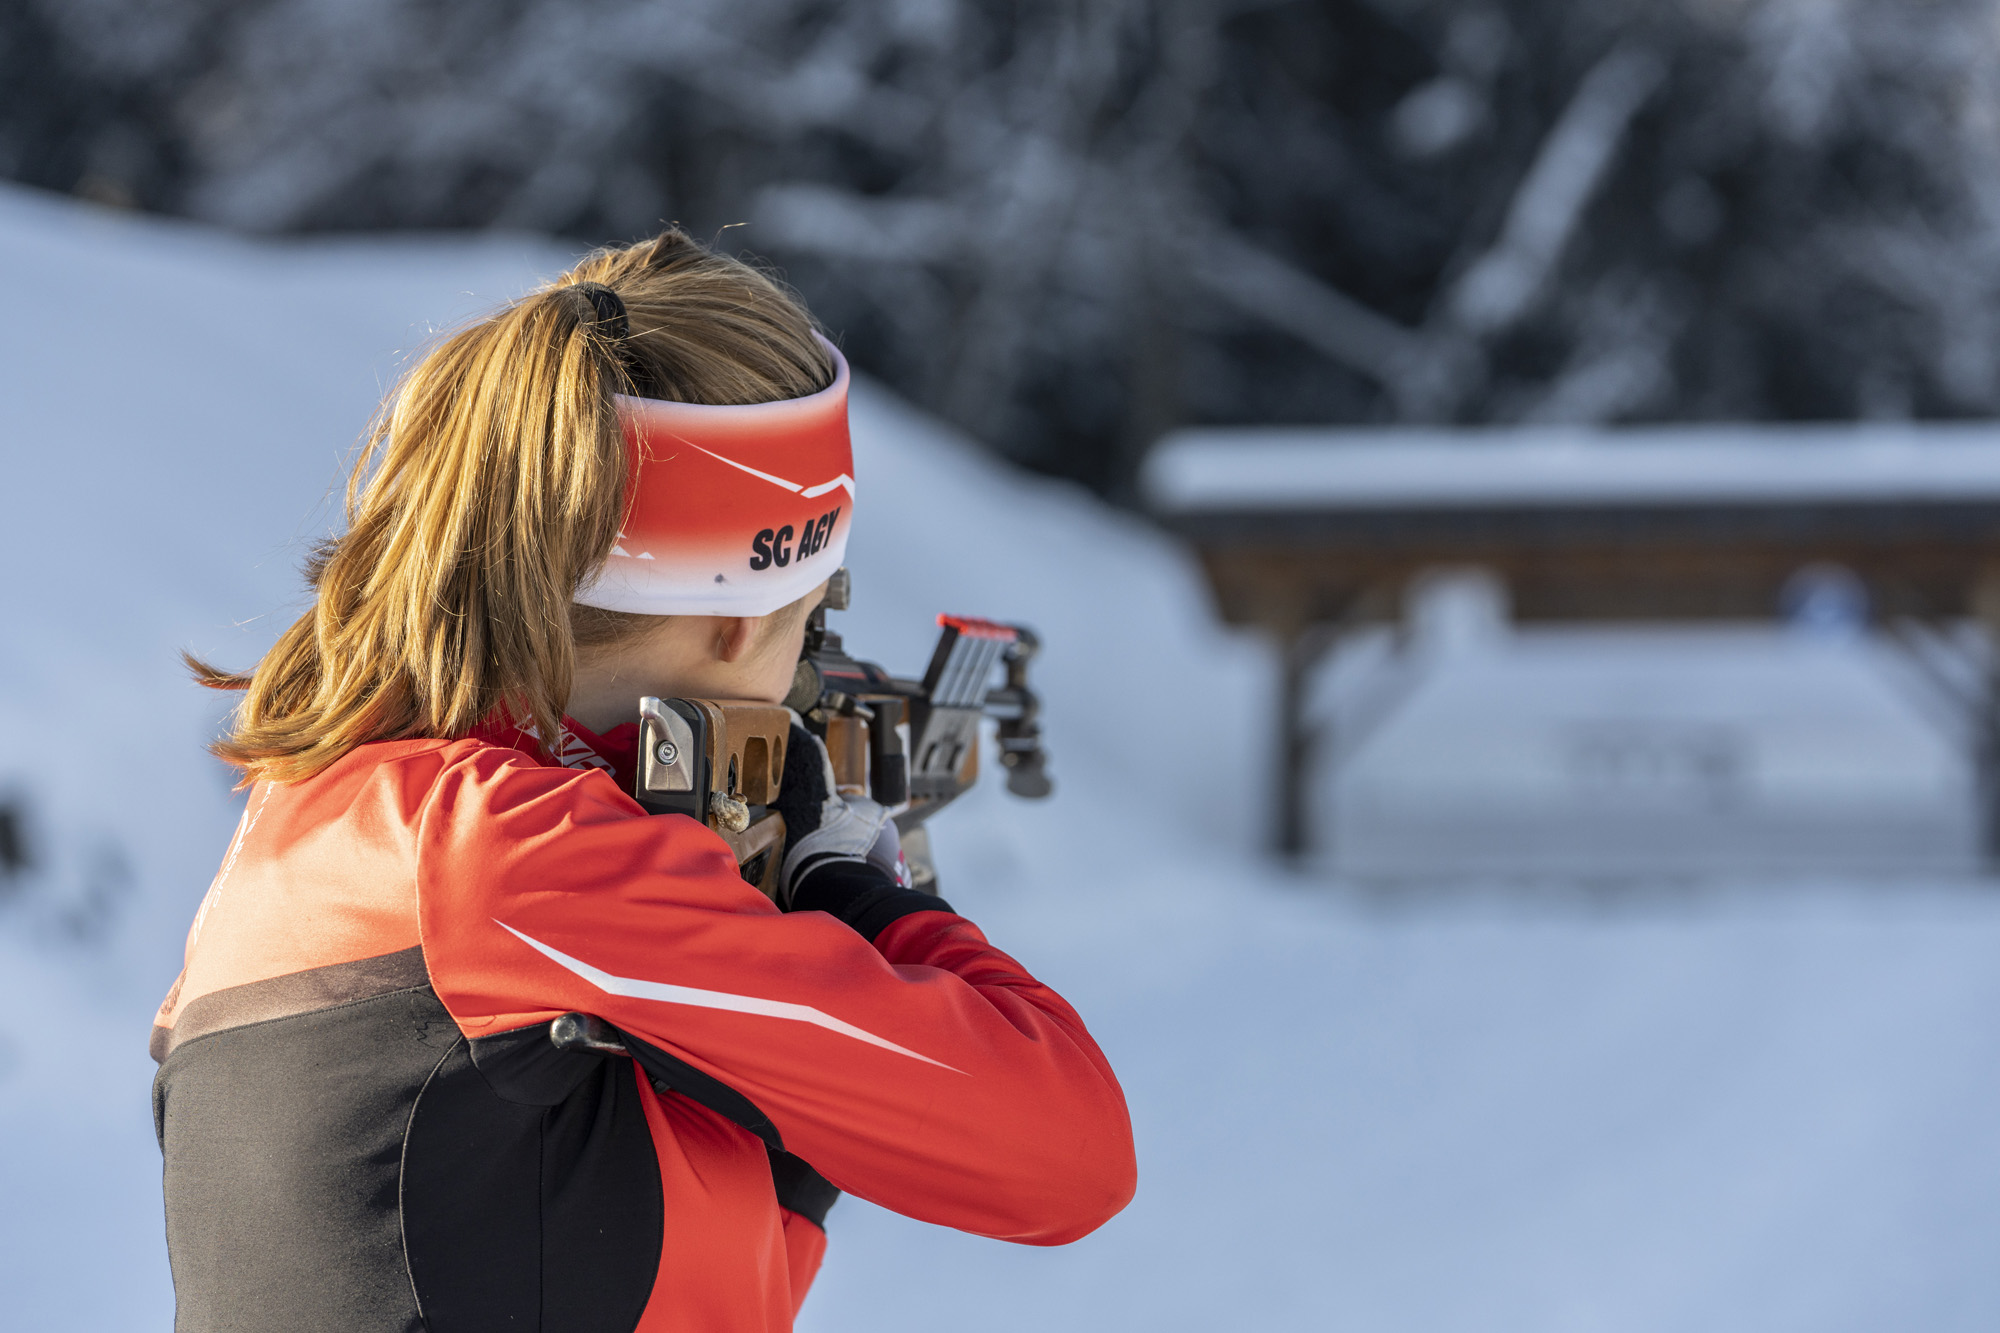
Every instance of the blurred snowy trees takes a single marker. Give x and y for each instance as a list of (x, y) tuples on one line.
[(1068, 224)]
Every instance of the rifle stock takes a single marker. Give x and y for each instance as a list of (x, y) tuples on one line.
[(912, 745)]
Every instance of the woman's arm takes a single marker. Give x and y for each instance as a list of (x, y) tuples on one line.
[(924, 1070)]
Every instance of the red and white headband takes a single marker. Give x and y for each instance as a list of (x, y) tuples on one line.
[(730, 511)]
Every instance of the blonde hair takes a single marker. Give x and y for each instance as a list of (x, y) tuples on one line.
[(493, 483)]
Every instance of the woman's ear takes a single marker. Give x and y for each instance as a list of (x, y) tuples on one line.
[(734, 635)]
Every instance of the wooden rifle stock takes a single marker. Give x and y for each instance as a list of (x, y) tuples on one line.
[(912, 746)]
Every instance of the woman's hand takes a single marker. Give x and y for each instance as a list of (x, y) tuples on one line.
[(828, 835)]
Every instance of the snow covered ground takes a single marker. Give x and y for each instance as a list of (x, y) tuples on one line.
[(1729, 1104), (1643, 752)]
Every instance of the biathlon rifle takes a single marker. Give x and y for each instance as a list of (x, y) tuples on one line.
[(912, 745)]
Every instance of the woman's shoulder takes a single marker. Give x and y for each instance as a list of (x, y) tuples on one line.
[(472, 797), (495, 807), (489, 775), (415, 773)]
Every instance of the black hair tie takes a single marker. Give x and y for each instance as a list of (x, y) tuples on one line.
[(612, 323), (610, 311)]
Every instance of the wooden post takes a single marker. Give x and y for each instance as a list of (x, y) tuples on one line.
[(1987, 770), (1985, 608), (1299, 652)]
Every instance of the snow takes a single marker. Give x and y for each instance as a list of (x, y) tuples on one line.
[(1285, 468), (1739, 1103), (1643, 751)]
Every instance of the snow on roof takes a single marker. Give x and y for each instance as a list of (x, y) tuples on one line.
[(1313, 468)]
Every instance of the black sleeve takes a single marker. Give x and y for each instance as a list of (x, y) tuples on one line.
[(859, 894)]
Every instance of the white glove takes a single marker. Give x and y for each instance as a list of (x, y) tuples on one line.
[(821, 825)]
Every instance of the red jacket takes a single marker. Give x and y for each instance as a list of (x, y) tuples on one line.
[(366, 1127)]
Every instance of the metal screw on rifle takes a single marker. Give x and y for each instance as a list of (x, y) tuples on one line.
[(667, 753)]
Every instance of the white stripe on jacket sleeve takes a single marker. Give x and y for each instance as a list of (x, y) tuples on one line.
[(637, 988)]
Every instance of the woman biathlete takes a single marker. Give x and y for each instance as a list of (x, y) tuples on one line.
[(634, 482)]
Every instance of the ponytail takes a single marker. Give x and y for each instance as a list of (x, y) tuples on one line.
[(493, 484)]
